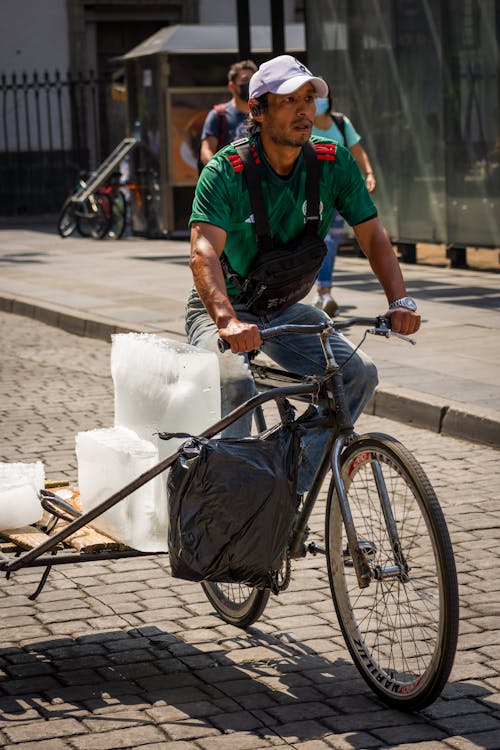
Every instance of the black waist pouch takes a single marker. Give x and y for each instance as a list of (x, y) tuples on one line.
[(284, 275), (231, 507)]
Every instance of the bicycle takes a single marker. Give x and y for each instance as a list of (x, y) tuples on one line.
[(389, 557), (89, 215), (104, 212), (89, 209)]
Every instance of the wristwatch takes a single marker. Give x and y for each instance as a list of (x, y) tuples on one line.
[(405, 302)]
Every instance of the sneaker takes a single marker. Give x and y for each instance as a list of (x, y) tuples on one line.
[(326, 303)]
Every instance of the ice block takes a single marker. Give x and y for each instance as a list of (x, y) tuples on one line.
[(19, 487), (108, 459), (163, 385)]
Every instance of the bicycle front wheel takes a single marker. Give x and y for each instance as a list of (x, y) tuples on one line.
[(401, 630), (236, 603)]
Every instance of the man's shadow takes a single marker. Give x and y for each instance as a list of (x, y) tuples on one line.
[(263, 685)]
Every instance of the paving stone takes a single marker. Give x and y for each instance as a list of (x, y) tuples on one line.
[(43, 730), (131, 737), (52, 744), (286, 682)]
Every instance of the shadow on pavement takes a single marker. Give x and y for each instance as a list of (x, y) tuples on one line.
[(112, 681)]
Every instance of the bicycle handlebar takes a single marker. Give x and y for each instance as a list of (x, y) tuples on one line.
[(381, 326)]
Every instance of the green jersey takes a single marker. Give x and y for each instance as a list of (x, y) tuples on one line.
[(222, 197)]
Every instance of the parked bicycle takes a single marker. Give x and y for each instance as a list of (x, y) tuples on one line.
[(388, 553), (89, 213), (103, 213)]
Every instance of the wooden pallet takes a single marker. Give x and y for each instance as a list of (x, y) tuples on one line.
[(86, 539)]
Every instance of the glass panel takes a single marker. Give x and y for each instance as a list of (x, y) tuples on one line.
[(419, 80), (472, 132)]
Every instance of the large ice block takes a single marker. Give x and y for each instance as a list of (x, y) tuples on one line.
[(19, 500), (108, 459), (163, 385)]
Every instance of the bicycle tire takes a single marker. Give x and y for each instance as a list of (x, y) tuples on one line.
[(67, 221), (237, 604), (402, 635), (118, 216), (92, 223)]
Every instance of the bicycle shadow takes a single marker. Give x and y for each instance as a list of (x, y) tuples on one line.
[(255, 685)]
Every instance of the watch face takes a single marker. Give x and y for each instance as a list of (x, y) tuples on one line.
[(406, 302), (409, 303)]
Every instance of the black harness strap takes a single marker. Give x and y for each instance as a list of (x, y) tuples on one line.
[(312, 187), (262, 229)]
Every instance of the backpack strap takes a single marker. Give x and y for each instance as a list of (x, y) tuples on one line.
[(220, 110), (338, 119)]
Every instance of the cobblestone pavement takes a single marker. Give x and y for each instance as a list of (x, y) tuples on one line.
[(119, 655)]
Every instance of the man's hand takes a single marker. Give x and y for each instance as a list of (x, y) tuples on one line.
[(243, 337), (404, 321)]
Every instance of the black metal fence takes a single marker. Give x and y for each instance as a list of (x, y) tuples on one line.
[(50, 130)]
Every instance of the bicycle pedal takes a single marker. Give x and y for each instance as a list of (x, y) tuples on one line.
[(316, 549)]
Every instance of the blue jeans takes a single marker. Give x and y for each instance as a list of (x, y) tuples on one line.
[(299, 353), (332, 241)]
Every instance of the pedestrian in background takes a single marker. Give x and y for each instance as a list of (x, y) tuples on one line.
[(338, 127), (226, 122)]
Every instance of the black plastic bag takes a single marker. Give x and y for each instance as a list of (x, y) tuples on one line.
[(231, 507)]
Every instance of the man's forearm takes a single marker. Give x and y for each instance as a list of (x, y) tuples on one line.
[(210, 285)]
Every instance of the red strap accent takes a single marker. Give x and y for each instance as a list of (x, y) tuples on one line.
[(235, 161), (256, 157), (325, 151)]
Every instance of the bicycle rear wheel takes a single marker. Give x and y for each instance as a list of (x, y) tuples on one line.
[(402, 629), (236, 603), (67, 221)]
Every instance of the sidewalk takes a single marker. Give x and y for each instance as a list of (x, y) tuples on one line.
[(448, 383)]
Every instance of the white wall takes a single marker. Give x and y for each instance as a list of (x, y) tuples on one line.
[(33, 36)]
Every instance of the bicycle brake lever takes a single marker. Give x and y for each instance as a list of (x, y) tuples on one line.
[(404, 337), (382, 330)]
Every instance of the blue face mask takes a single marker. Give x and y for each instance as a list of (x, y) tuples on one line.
[(321, 105)]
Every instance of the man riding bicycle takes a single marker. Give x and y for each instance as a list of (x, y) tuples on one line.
[(224, 245)]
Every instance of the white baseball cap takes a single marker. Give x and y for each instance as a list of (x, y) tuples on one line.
[(284, 75)]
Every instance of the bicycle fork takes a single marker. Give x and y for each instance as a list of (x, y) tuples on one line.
[(400, 568), (360, 550)]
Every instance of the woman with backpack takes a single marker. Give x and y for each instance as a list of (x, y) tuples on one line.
[(338, 127)]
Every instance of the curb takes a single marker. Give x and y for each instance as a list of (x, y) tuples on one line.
[(450, 418)]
